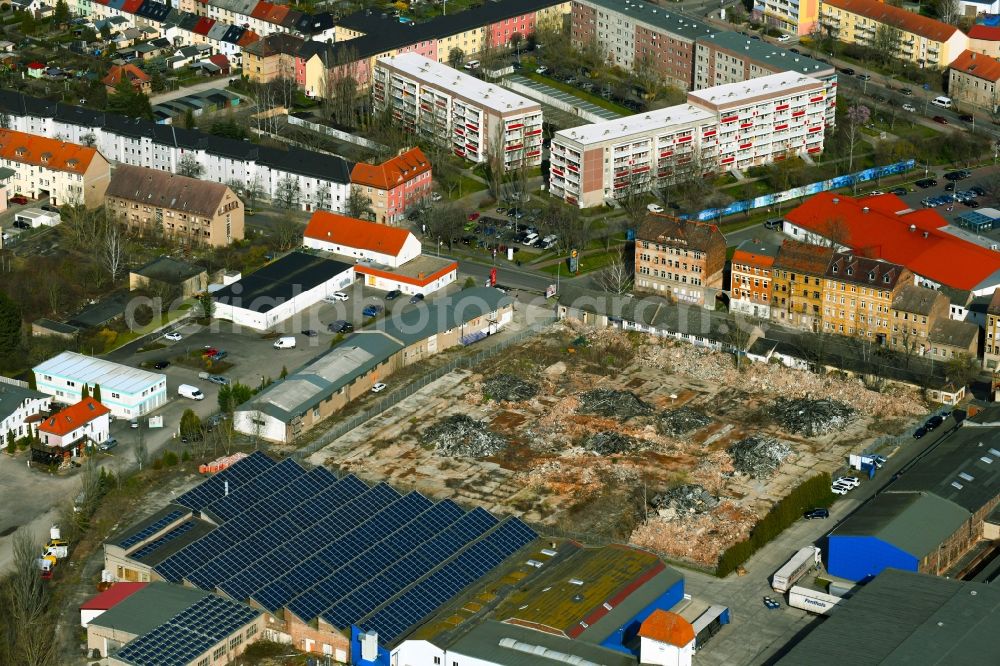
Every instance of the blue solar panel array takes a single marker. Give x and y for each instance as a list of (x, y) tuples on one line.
[(188, 634), (215, 487), (153, 546), (337, 548), (150, 530), (420, 601)]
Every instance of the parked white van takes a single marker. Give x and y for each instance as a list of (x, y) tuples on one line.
[(287, 342), (188, 391), (942, 101)]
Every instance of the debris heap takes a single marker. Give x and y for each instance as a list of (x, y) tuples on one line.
[(812, 417), (680, 421), (509, 388), (622, 405), (758, 456), (462, 436), (686, 499), (609, 442)]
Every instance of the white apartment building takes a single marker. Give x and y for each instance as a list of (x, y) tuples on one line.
[(128, 392), (317, 180), (17, 405), (450, 107), (736, 125)]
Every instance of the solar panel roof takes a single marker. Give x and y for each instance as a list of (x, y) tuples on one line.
[(339, 549)]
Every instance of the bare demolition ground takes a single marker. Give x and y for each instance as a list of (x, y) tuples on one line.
[(585, 433)]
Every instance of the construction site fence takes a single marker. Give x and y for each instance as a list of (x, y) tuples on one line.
[(462, 363)]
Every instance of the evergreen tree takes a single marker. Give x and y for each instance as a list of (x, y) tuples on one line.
[(10, 324), (32, 384), (97, 392), (85, 393)]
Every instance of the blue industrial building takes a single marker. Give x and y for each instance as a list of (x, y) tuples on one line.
[(930, 515)]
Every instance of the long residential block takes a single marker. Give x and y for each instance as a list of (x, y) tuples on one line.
[(473, 118), (737, 125)]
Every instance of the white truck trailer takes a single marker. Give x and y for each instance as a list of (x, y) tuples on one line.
[(803, 561), (813, 601)]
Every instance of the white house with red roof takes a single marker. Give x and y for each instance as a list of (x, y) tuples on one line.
[(107, 600), (666, 639), (361, 240), (388, 258), (70, 429)]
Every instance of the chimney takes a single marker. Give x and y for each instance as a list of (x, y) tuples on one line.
[(913, 228), (926, 234), (865, 209), (836, 200)]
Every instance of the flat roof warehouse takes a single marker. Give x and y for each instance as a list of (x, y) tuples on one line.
[(280, 281)]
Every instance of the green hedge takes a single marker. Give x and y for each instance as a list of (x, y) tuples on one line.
[(814, 492)]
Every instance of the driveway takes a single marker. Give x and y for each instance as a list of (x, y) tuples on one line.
[(220, 83)]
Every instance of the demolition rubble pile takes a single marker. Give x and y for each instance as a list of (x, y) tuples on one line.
[(684, 500), (609, 442), (621, 405), (508, 388), (812, 417), (758, 456), (462, 436), (680, 421)]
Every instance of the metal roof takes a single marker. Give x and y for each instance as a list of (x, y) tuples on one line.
[(280, 280), (89, 370), (148, 608), (510, 645), (906, 618), (763, 53), (672, 22)]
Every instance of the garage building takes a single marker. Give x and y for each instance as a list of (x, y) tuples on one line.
[(281, 289)]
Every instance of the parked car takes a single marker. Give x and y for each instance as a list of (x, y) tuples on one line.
[(950, 187), (971, 203), (473, 216), (220, 380), (436, 196), (134, 423), (209, 352), (864, 77), (340, 326), (654, 208), (541, 70), (849, 481), (961, 174), (416, 298), (812, 514), (372, 310), (784, 38), (219, 355), (924, 183), (173, 336), (159, 365), (18, 200), (967, 117), (21, 224), (50, 208), (839, 490), (898, 191), (919, 432), (941, 120), (108, 444), (909, 107), (336, 296), (772, 224), (980, 192), (393, 295), (906, 92), (309, 333), (378, 388), (933, 422)]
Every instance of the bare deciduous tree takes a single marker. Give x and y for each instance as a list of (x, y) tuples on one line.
[(113, 244), (616, 278)]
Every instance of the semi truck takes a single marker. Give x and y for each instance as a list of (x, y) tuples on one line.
[(813, 601), (802, 562)]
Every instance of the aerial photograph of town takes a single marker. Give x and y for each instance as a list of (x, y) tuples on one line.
[(499, 332)]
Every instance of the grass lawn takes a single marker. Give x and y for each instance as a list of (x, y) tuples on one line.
[(128, 336), (466, 186), (576, 92), (588, 263)]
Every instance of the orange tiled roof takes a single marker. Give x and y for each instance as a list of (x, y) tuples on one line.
[(45, 152), (73, 417), (667, 627), (392, 172), (898, 17), (355, 233), (978, 65), (261, 10), (989, 33), (129, 71)]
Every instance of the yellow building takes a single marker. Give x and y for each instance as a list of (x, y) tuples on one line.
[(271, 58), (797, 284), (858, 294), (922, 40), (991, 348)]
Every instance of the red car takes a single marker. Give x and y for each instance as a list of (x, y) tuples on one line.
[(211, 351), (941, 119), (19, 200), (473, 216)]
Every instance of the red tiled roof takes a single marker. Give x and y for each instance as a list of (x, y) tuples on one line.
[(45, 152), (131, 6), (354, 233), (667, 627), (277, 14), (261, 10), (392, 172), (110, 597), (898, 17), (203, 25), (978, 65), (220, 60), (248, 37), (129, 71), (753, 258), (892, 231), (73, 417), (990, 33)]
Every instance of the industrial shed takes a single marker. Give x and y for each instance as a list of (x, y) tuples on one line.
[(281, 289), (326, 557), (929, 516)]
